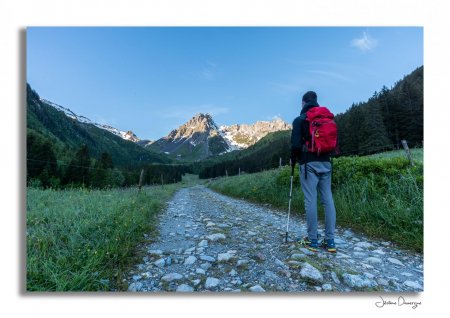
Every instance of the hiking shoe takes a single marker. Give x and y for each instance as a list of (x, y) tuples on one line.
[(305, 240), (312, 245), (329, 245)]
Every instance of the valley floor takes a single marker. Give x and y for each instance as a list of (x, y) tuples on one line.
[(211, 242)]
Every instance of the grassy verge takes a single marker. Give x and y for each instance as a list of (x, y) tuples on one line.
[(381, 197), (83, 240), (416, 154)]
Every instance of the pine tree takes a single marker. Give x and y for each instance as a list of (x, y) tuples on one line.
[(78, 171), (373, 133), (41, 160)]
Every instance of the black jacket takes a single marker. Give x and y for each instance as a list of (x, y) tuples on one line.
[(300, 134)]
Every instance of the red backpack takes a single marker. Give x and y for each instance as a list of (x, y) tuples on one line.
[(322, 129)]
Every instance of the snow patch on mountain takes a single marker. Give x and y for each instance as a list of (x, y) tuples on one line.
[(127, 135)]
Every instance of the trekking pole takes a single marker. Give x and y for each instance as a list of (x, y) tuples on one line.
[(289, 208)]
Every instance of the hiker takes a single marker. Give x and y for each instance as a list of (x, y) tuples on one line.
[(315, 169)]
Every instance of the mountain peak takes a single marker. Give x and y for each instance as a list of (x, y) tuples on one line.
[(200, 123), (199, 138), (206, 119)]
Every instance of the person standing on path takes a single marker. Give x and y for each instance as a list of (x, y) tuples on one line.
[(315, 176)]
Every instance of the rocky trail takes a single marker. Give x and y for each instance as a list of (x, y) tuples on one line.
[(211, 242)]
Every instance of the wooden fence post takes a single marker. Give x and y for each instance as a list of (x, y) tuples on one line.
[(141, 178), (239, 170), (162, 180), (280, 164), (408, 152), (226, 173)]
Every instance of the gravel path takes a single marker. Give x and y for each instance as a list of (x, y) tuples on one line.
[(211, 242)]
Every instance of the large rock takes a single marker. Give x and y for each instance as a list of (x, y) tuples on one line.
[(270, 275), (242, 263), (379, 251), (207, 258), (189, 250), (395, 261), (190, 260), (183, 288), (412, 284), (358, 281), (298, 256), (406, 274), (257, 289), (338, 241), (160, 263), (206, 266), (335, 278), (203, 243), (211, 282), (216, 237), (224, 257), (382, 282), (364, 245), (359, 254), (171, 277), (280, 263), (310, 272)]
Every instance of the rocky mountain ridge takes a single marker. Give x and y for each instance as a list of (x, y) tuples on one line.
[(198, 138), (244, 135)]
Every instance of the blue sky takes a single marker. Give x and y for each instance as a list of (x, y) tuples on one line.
[(151, 80)]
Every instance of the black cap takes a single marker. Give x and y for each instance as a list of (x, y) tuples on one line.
[(310, 97)]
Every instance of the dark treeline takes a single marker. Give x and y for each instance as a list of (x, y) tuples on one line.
[(263, 155), (379, 124), (388, 117), (44, 170)]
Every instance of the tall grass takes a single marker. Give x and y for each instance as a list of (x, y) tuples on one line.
[(381, 197), (83, 240), (416, 154)]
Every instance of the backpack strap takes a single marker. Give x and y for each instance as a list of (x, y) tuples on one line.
[(304, 130)]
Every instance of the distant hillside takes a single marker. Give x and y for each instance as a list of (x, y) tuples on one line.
[(67, 135), (127, 135)]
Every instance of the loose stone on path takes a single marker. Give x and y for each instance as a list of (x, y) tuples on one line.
[(211, 282)]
